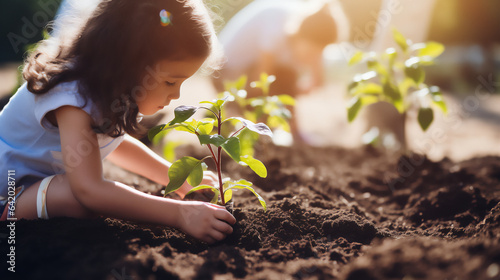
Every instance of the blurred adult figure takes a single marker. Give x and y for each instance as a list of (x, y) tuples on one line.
[(285, 38)]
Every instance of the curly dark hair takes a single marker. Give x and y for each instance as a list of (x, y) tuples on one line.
[(109, 54)]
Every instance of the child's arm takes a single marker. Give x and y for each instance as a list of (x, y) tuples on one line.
[(136, 157), (83, 167)]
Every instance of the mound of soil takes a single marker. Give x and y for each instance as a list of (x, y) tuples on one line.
[(332, 214)]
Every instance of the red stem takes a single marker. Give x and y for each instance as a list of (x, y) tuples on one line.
[(219, 165), (213, 154), (219, 171), (238, 131)]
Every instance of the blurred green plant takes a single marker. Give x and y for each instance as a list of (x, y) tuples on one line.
[(397, 77), (191, 169), (270, 110), (273, 110)]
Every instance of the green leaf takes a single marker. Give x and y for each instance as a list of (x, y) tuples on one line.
[(232, 148), (378, 67), (286, 99), (241, 82), (432, 49), (425, 117), (353, 108), (218, 103), (356, 58), (202, 187), (365, 76), (179, 172), (437, 99), (228, 195), (416, 73), (214, 104), (261, 200), (282, 113), (264, 83), (370, 88), (154, 131), (196, 176), (405, 85), (372, 63), (256, 165), (215, 198), (369, 99), (183, 113), (235, 86), (157, 129), (169, 149), (247, 141), (391, 55), (260, 128), (391, 91), (205, 126), (400, 39), (186, 127), (216, 140), (279, 122), (352, 85), (243, 182), (416, 61), (399, 105)]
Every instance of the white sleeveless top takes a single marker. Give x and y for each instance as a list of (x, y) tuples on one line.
[(30, 146)]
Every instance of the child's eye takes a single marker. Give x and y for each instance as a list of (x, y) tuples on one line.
[(169, 83)]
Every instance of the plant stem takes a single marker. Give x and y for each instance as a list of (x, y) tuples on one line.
[(239, 130), (213, 155), (219, 165), (210, 148)]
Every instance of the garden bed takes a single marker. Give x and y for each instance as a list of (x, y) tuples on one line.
[(332, 214)]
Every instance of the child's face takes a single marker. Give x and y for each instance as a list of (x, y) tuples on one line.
[(162, 83)]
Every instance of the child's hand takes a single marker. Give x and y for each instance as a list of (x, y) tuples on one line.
[(204, 221), (209, 178)]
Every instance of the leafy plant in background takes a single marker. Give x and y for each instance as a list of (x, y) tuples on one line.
[(272, 110), (191, 169), (397, 78)]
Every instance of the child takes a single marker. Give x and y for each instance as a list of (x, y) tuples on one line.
[(282, 38), (85, 91)]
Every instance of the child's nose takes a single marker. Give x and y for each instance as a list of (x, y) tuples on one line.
[(176, 94)]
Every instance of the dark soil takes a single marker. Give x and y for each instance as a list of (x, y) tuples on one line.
[(332, 214)]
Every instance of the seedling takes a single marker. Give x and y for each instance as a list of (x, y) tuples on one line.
[(272, 110), (191, 169), (397, 78)]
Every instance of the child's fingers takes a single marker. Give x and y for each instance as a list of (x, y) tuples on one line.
[(217, 235), (209, 239), (222, 214), (223, 227)]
